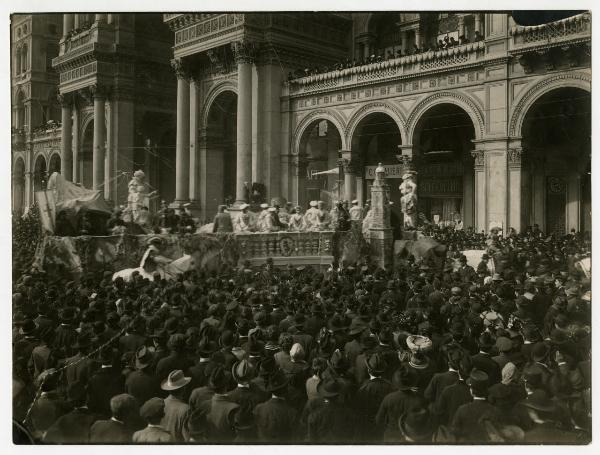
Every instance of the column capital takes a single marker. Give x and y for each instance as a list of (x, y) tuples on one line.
[(99, 91), (244, 51), (514, 156), (65, 99), (182, 68), (479, 158)]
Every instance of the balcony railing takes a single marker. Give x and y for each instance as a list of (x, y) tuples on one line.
[(376, 72), (283, 247), (565, 29)]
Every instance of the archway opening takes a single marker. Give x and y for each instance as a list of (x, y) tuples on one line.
[(556, 140), (442, 145), (86, 156), (319, 146), (40, 175), (375, 140), (19, 187), (54, 165), (221, 154)]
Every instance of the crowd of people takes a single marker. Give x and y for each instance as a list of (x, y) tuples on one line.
[(447, 42), (411, 354)]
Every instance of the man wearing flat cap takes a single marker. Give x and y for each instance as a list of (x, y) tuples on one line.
[(152, 411)]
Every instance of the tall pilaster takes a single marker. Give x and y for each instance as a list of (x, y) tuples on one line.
[(99, 94), (75, 143), (109, 177), (66, 152), (195, 97), (67, 24), (516, 199), (480, 190), (244, 56), (182, 145)]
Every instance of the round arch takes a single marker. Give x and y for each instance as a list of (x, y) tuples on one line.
[(322, 114), (214, 92), (374, 108), (40, 171), (465, 102), (18, 185), (537, 89), (54, 163)]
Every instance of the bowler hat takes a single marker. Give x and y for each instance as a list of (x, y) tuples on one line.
[(533, 376), (28, 327), (477, 378), (540, 351), (277, 382), (175, 380), (143, 358), (540, 401), (206, 346), (242, 371), (375, 363), (416, 424)]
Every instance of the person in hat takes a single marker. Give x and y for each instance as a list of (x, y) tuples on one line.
[(369, 398), (142, 384), (416, 426), (117, 429), (311, 217), (200, 372), (245, 394), (49, 406), (482, 267), (315, 322), (484, 361), (222, 222), (79, 368), (152, 411), (547, 427), (177, 358), (66, 335), (465, 424), (505, 347), (332, 421), (243, 222), (440, 381), (299, 334), (176, 407), (296, 220), (272, 221), (276, 420), (105, 383), (73, 427), (398, 402), (262, 219)]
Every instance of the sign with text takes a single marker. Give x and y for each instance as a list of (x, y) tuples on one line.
[(392, 171)]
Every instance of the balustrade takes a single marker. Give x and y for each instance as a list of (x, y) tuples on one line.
[(567, 28)]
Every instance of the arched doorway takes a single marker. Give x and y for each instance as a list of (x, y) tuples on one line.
[(86, 156), (19, 186), (556, 139), (375, 140), (40, 175), (221, 138), (319, 146), (442, 145), (54, 164)]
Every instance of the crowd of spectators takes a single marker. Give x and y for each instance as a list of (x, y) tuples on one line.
[(411, 354)]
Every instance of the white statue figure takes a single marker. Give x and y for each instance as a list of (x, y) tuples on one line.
[(138, 194), (408, 181), (409, 207)]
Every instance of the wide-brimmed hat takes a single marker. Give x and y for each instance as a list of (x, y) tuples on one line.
[(277, 382), (176, 380), (418, 343), (28, 327), (242, 371), (540, 401), (478, 378), (416, 424), (375, 363), (540, 351), (330, 388), (143, 358)]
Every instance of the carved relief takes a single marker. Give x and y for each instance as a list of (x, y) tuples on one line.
[(181, 68), (514, 157), (478, 158), (244, 51)]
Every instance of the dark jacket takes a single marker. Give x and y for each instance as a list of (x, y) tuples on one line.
[(392, 407), (438, 383), (484, 362), (222, 223), (72, 428), (143, 386), (450, 400), (102, 386), (368, 400), (276, 421), (331, 423), (466, 426), (110, 432)]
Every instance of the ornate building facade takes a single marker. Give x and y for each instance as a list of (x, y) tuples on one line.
[(493, 117)]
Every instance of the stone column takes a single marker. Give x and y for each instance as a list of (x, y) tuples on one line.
[(100, 18), (418, 37), (108, 160), (404, 42), (515, 185), (75, 144), (76, 21), (66, 152), (380, 232), (244, 55), (480, 192), (67, 24), (461, 25), (194, 145), (182, 147), (299, 164), (349, 166), (478, 22), (99, 138)]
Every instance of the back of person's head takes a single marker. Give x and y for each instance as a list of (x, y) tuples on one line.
[(122, 406)]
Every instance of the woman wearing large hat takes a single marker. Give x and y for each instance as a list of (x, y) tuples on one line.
[(153, 261)]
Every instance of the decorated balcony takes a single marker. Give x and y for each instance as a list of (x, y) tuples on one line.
[(575, 28), (425, 62)]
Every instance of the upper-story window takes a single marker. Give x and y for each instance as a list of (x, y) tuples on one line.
[(24, 58)]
